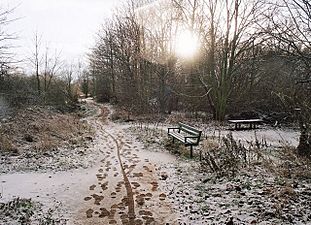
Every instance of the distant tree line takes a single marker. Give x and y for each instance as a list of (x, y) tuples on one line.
[(248, 55), (49, 80), (253, 55)]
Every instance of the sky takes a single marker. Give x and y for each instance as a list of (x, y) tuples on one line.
[(68, 26)]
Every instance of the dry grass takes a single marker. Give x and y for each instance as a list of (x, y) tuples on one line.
[(42, 129), (210, 143), (120, 115), (291, 165), (175, 148), (45, 143), (223, 155), (6, 145), (104, 114)]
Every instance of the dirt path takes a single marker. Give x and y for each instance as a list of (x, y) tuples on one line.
[(122, 186), (126, 190)]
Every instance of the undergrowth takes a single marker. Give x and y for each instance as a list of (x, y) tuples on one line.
[(26, 211), (43, 129), (227, 157)]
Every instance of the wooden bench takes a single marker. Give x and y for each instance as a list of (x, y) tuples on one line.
[(251, 122), (186, 134)]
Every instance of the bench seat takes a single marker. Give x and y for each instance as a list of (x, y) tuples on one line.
[(188, 140), (188, 135)]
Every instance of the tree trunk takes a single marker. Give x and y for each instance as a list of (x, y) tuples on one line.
[(162, 100), (304, 146)]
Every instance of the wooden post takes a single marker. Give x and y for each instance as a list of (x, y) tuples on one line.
[(191, 151)]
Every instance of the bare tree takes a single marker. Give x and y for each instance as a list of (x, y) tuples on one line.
[(289, 33), (290, 26), (102, 63), (69, 72), (160, 28), (117, 61), (6, 38), (36, 59), (52, 65), (45, 64), (228, 31)]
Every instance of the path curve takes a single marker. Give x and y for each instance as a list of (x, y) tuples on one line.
[(126, 189)]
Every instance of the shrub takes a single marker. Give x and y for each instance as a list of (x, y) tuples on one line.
[(227, 157)]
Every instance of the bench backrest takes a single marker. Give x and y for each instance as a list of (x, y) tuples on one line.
[(189, 129)]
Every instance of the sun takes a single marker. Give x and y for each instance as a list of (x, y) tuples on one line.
[(187, 44)]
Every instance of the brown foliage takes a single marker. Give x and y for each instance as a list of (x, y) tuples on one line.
[(42, 129)]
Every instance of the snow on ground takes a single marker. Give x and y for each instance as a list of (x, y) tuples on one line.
[(167, 189), (255, 196), (276, 137), (75, 195), (57, 191)]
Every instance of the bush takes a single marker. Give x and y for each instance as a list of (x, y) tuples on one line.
[(20, 91), (228, 157)]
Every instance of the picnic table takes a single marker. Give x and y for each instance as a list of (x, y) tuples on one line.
[(251, 122)]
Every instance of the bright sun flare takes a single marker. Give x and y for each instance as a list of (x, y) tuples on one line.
[(187, 44)]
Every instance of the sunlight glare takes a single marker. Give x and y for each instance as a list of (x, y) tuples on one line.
[(187, 44)]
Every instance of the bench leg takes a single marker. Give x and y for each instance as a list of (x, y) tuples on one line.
[(173, 140), (191, 151)]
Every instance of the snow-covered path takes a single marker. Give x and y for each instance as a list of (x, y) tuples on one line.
[(127, 188), (122, 188)]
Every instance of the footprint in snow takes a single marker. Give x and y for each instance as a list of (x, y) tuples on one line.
[(162, 197), (87, 198), (98, 199), (89, 213), (92, 187)]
